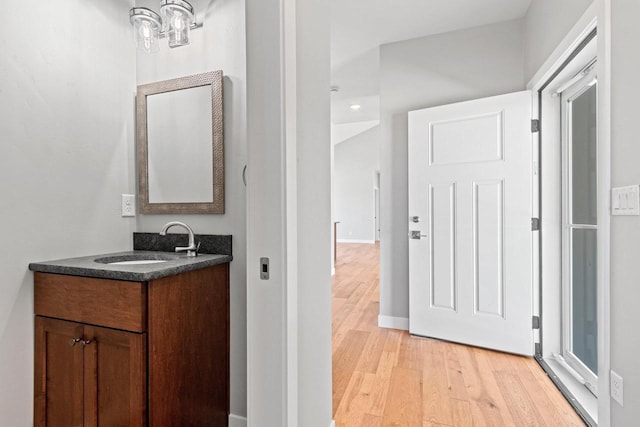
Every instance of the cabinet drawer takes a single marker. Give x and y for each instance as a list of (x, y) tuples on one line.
[(103, 302)]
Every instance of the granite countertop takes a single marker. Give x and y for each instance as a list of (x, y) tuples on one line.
[(87, 266)]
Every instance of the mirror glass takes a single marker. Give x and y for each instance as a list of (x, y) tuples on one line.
[(180, 145), (179, 132)]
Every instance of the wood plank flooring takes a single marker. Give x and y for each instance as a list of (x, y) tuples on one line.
[(385, 377)]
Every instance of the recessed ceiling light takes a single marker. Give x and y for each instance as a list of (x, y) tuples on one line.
[(355, 107)]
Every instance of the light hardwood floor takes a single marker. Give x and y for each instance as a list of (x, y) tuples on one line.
[(385, 377)]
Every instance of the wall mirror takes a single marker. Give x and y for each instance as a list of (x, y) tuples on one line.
[(180, 145)]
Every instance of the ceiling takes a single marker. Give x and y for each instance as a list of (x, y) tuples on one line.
[(359, 27)]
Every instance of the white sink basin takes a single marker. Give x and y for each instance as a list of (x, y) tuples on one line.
[(138, 262), (138, 259)]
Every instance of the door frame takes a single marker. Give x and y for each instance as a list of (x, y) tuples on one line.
[(376, 207), (597, 15)]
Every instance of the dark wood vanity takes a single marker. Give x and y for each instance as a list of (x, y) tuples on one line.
[(132, 353)]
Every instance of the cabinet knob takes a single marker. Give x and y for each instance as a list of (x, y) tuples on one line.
[(74, 341)]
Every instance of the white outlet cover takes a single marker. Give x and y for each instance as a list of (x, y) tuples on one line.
[(617, 388), (128, 205)]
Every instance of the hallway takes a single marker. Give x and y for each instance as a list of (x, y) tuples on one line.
[(385, 377)]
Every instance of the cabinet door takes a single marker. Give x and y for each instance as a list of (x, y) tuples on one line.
[(58, 388), (115, 378)]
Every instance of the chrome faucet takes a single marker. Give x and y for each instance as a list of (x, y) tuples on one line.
[(192, 249)]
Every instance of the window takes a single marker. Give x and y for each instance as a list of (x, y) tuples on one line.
[(579, 227)]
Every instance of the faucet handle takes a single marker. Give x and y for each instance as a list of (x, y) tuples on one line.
[(191, 250)]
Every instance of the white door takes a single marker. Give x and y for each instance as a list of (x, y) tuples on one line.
[(470, 266)]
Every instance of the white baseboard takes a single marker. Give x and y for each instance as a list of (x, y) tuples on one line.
[(371, 242), (237, 421), (390, 322)]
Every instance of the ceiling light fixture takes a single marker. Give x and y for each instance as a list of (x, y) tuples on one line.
[(175, 21), (355, 107)]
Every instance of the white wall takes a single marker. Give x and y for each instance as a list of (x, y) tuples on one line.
[(267, 221), (67, 79), (314, 216), (427, 72), (356, 162), (218, 45), (289, 315), (625, 231), (546, 23)]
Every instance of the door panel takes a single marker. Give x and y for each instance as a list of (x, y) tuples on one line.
[(58, 373), (470, 184), (449, 139), (488, 260), (115, 371), (442, 227)]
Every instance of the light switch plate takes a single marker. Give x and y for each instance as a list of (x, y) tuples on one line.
[(128, 205), (625, 200)]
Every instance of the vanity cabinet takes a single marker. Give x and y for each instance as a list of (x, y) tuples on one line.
[(123, 353)]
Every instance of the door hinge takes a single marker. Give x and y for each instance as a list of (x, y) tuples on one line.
[(535, 125), (538, 349), (535, 224), (535, 322)]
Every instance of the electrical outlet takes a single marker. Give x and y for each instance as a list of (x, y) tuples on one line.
[(128, 205), (617, 388)]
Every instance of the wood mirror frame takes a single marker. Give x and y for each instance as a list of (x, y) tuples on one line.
[(213, 79)]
